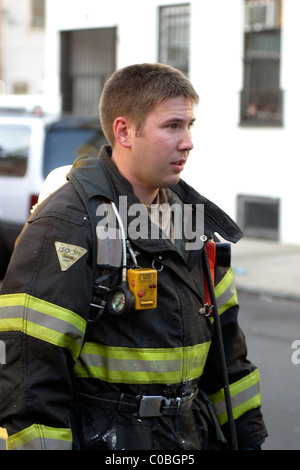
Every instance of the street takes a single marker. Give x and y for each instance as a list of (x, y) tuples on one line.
[(271, 326)]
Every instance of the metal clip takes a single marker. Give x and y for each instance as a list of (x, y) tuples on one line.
[(206, 310), (150, 406), (101, 303)]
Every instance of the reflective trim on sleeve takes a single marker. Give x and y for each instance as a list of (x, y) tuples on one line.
[(225, 292), (136, 365), (3, 433), (245, 396), (38, 437), (42, 320)]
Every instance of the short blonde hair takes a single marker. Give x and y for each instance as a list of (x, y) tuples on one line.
[(134, 91)]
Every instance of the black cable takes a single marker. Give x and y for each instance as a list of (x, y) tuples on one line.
[(222, 352)]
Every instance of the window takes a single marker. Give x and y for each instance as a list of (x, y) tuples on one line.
[(88, 58), (66, 142), (174, 30), (20, 88), (259, 216), (14, 148), (261, 98), (38, 13)]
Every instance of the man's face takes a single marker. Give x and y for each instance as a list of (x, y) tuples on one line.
[(160, 149)]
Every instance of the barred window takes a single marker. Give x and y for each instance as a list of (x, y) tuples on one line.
[(259, 216), (261, 99), (174, 31), (37, 13)]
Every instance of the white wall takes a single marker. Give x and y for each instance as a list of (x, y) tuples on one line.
[(22, 48), (255, 161), (216, 74), (288, 157)]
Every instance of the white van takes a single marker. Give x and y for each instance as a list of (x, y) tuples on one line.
[(30, 147)]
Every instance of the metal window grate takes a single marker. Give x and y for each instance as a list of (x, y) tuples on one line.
[(174, 31), (262, 14), (259, 216), (261, 97), (87, 60), (38, 13)]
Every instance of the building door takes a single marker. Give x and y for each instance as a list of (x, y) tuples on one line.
[(88, 58)]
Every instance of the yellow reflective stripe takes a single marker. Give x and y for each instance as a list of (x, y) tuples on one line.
[(225, 292), (137, 365), (42, 320), (38, 437), (245, 395), (3, 433)]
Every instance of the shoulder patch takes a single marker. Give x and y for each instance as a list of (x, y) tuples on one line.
[(68, 254)]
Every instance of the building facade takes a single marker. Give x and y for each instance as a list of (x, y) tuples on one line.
[(240, 56), (22, 47)]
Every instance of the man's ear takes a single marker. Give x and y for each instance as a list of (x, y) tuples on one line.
[(122, 131)]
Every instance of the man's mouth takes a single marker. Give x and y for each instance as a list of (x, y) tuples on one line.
[(179, 164)]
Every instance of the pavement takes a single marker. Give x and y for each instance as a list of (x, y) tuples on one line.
[(262, 267), (267, 268)]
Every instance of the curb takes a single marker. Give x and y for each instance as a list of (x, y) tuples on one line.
[(268, 293)]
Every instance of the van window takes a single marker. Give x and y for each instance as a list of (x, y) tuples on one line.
[(64, 145), (14, 148)]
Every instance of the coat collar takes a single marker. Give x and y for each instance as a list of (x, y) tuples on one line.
[(98, 177)]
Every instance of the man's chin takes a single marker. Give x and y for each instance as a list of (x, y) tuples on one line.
[(175, 181)]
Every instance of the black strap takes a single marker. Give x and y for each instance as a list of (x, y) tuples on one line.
[(141, 405)]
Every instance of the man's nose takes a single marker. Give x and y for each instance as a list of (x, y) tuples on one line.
[(186, 142)]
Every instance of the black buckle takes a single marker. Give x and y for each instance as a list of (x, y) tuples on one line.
[(150, 406)]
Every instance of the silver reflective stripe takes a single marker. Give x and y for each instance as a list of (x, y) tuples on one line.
[(43, 444), (226, 296), (238, 399), (245, 395), (39, 437), (42, 320), (141, 365), (225, 292), (131, 365)]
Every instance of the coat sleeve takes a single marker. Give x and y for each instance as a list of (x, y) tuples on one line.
[(44, 303), (244, 381)]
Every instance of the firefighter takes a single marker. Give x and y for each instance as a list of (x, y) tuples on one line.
[(108, 342)]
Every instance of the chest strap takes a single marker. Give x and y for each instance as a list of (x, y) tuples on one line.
[(141, 405)]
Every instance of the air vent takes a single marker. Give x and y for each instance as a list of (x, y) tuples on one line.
[(258, 216)]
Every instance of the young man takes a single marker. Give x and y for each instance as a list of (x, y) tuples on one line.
[(102, 312)]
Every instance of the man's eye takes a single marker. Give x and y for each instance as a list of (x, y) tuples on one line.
[(173, 126)]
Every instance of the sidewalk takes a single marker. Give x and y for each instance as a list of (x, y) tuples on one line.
[(267, 268)]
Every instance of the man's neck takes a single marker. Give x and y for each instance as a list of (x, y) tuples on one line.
[(145, 194)]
